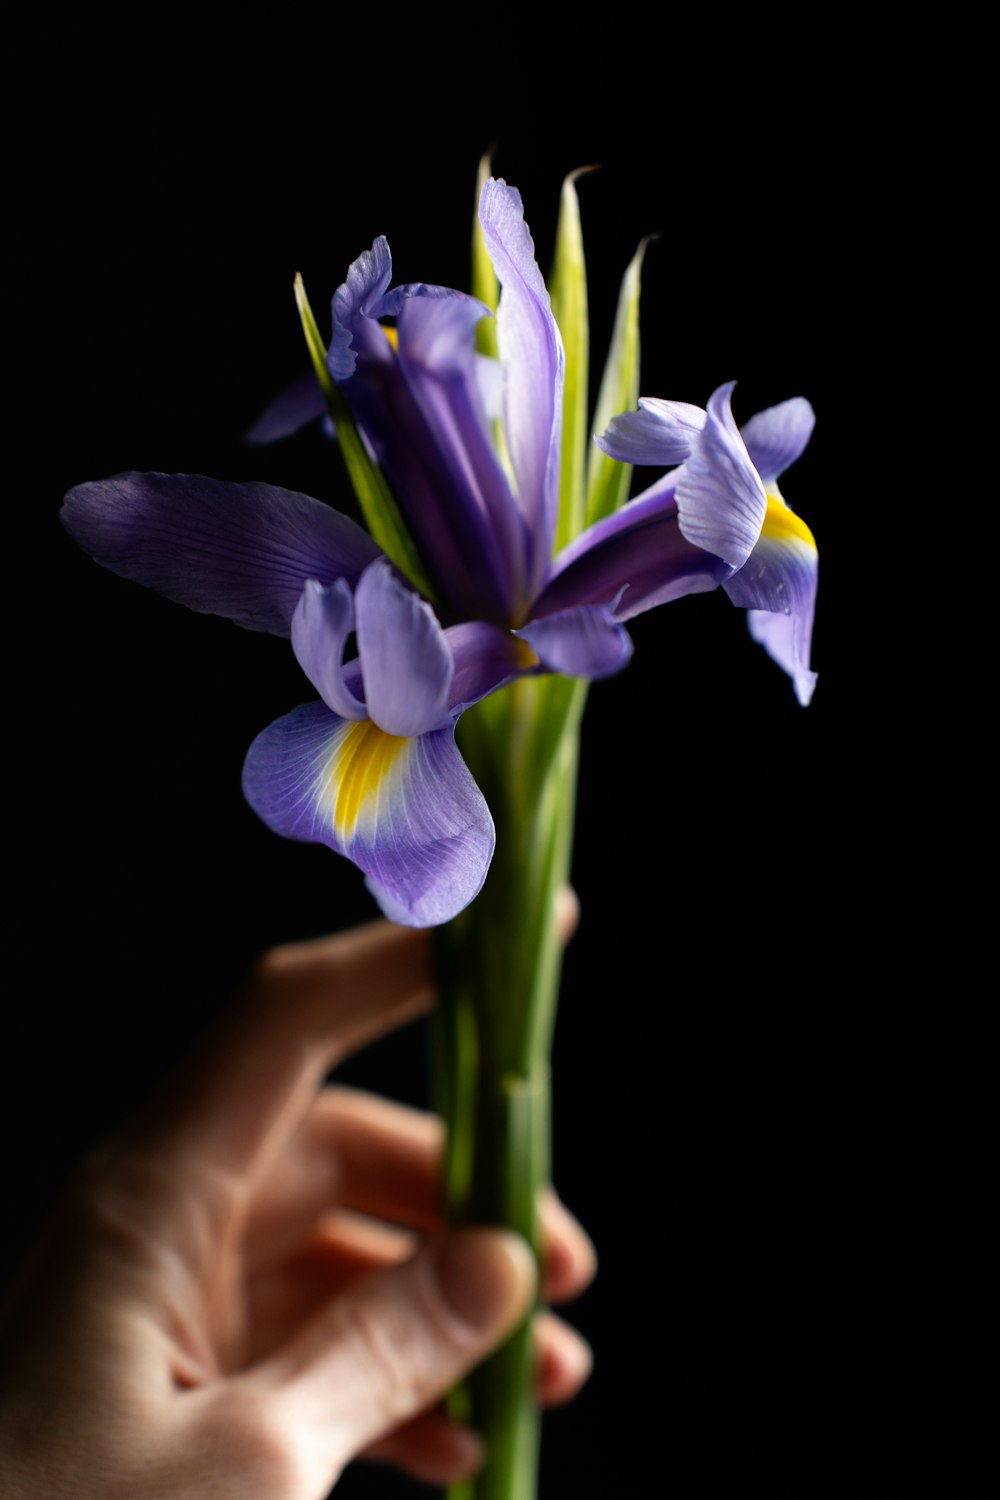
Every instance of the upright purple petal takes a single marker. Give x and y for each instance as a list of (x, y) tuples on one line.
[(240, 550), (320, 627), (406, 811), (777, 436), (584, 641), (660, 433), (445, 375), (720, 499), (531, 354), (419, 413), (405, 660)]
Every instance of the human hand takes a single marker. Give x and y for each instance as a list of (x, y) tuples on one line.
[(250, 1286)]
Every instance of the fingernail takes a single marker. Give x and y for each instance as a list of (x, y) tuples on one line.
[(487, 1275)]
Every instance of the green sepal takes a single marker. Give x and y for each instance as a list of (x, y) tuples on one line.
[(485, 285), (378, 507), (569, 306), (607, 480)]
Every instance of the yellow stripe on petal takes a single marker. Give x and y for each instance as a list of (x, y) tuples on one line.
[(363, 757), (392, 335), (783, 525)]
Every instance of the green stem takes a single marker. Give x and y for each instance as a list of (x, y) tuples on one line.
[(499, 968)]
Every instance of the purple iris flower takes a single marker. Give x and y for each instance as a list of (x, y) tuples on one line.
[(372, 768), (777, 582)]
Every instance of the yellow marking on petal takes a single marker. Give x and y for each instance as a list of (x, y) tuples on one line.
[(393, 337), (783, 525), (362, 759)]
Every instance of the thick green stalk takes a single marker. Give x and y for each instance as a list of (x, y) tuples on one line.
[(499, 972)]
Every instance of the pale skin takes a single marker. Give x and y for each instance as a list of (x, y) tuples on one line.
[(251, 1285)]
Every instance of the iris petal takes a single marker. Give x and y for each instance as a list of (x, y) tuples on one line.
[(486, 658), (531, 354), (660, 433), (320, 627), (638, 557), (240, 550), (787, 640), (405, 810), (405, 660), (586, 641), (776, 437), (778, 585), (720, 498)]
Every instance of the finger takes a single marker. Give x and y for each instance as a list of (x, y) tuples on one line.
[(384, 1160), (564, 1360), (352, 1149), (568, 1251), (567, 912), (436, 1450), (346, 1245), (433, 1449), (394, 1342), (307, 1006)]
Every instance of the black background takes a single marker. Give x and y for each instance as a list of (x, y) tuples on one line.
[(777, 1143)]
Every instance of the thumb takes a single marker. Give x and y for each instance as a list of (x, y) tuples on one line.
[(395, 1341)]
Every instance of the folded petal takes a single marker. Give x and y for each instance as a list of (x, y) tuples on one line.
[(355, 330), (720, 498), (778, 585), (320, 627), (406, 811), (585, 641), (531, 355), (240, 550), (776, 437), (631, 561), (659, 433), (405, 660)]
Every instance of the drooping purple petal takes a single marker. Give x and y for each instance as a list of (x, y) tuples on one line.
[(631, 561), (406, 811), (240, 550), (720, 498), (584, 641), (659, 433), (779, 580), (301, 403), (405, 660), (531, 355), (320, 627), (777, 436), (787, 639)]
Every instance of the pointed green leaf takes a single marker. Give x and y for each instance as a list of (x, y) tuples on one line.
[(607, 480), (378, 507), (484, 279), (569, 305)]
